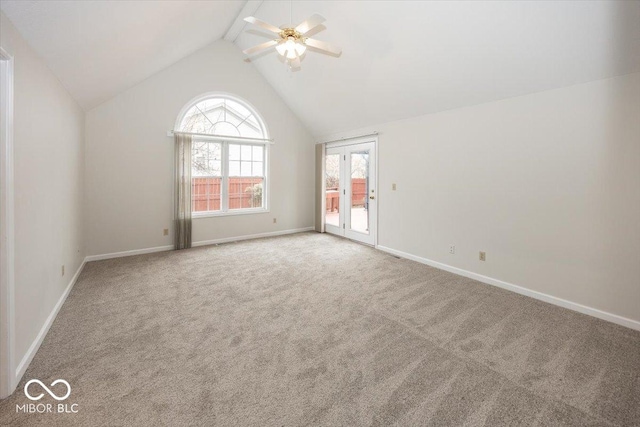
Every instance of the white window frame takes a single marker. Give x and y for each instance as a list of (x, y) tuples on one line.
[(225, 141), (224, 187)]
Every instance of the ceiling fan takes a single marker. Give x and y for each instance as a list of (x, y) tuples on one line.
[(292, 42)]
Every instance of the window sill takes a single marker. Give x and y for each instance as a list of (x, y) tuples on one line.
[(234, 212)]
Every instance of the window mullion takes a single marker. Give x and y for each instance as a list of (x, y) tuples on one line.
[(224, 193)]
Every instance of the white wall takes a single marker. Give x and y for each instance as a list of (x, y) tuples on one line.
[(129, 158), (48, 173), (547, 184)]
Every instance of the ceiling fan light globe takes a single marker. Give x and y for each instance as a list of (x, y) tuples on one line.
[(291, 53), (282, 49), (300, 48)]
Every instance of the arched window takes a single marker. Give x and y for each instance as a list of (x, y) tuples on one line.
[(222, 116), (229, 156)]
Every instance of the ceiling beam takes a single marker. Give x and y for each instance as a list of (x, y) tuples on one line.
[(238, 25)]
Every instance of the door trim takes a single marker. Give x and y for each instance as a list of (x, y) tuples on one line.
[(7, 249), (361, 140)]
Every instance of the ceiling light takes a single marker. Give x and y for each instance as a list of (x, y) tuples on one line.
[(300, 48), (291, 48), (292, 42)]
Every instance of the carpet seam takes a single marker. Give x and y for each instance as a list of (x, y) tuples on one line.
[(427, 337)]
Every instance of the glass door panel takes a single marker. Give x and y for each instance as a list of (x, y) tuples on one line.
[(359, 209), (360, 217), (333, 187)]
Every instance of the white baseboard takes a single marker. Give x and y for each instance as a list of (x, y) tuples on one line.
[(128, 253), (614, 318), (195, 244), (251, 236), (33, 349)]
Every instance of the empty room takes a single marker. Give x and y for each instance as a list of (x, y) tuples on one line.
[(319, 213)]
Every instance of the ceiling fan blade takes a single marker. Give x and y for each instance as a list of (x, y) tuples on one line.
[(260, 34), (310, 23), (315, 30), (256, 21), (260, 47), (323, 46)]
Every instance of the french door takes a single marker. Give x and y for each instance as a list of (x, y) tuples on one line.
[(350, 193)]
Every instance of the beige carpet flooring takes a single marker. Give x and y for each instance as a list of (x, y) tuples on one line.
[(310, 329)]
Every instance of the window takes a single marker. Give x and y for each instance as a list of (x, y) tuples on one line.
[(229, 157)]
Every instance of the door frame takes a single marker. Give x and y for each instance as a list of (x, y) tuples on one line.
[(353, 141), (7, 249)]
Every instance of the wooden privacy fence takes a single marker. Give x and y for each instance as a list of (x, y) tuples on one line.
[(205, 193), (358, 195)]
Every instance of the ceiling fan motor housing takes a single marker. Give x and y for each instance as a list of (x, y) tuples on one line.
[(290, 32)]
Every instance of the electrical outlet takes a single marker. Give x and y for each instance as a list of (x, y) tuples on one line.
[(165, 232), (483, 256), (393, 187), (274, 220), (452, 249), (63, 270)]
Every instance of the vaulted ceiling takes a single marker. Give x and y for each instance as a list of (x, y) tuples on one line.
[(100, 48), (403, 59), (400, 58)]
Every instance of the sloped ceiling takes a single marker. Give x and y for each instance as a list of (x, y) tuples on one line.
[(100, 48), (400, 58), (404, 59)]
